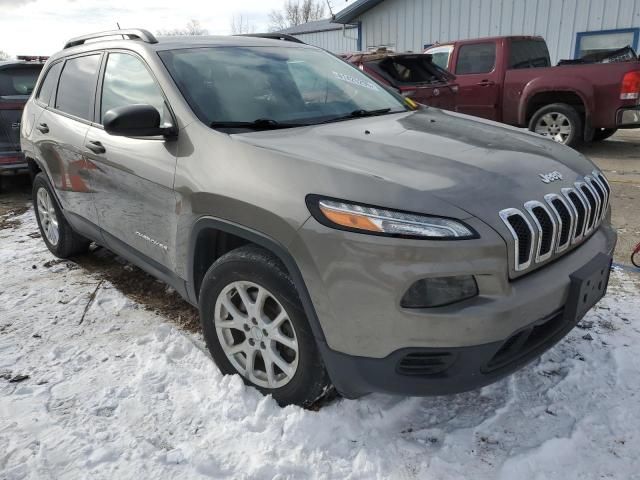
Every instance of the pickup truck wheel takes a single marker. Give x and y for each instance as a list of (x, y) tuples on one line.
[(255, 326), (603, 133), (56, 232), (559, 122)]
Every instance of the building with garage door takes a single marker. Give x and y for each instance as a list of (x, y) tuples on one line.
[(571, 27)]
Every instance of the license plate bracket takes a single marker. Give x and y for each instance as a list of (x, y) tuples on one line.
[(588, 286)]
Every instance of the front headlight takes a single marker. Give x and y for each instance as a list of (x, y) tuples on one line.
[(379, 221)]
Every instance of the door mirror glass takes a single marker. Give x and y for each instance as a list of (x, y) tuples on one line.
[(134, 121)]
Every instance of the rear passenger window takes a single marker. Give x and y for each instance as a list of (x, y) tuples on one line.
[(77, 85), (528, 54), (478, 58), (49, 83), (128, 82)]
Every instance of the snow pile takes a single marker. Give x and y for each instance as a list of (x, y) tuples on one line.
[(123, 393)]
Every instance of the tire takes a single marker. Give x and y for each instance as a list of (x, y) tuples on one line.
[(559, 122), (66, 243), (602, 134), (251, 270)]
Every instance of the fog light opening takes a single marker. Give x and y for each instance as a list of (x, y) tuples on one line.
[(439, 291)]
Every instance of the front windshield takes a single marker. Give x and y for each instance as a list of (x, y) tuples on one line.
[(287, 85)]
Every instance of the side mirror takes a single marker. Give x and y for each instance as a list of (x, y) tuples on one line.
[(135, 121)]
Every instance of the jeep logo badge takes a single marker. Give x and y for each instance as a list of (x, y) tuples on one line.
[(550, 177)]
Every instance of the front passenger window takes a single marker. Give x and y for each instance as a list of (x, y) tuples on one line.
[(128, 82)]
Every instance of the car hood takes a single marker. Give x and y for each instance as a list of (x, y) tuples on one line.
[(478, 166)]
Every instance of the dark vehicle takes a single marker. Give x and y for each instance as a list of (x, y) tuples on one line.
[(329, 233), (17, 80), (626, 54), (414, 75), (510, 80)]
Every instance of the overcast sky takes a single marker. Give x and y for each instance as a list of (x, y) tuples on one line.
[(41, 27)]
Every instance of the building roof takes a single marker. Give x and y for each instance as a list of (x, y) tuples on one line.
[(325, 25), (353, 11)]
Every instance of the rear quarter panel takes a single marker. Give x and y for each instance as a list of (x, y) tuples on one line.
[(598, 85)]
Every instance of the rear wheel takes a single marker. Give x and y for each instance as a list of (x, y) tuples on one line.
[(603, 133), (560, 122), (56, 232), (255, 326)]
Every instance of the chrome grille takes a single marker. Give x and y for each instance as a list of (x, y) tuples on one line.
[(544, 229), (579, 207), (565, 218), (592, 205), (523, 236)]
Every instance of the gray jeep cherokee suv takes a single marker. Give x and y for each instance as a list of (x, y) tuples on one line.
[(330, 233)]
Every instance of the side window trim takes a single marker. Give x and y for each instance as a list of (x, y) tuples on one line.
[(41, 84), (55, 97), (97, 110)]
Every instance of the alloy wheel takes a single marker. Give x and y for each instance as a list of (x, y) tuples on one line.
[(48, 217), (256, 334), (554, 125)]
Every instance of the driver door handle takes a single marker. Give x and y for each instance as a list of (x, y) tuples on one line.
[(43, 128), (486, 83), (96, 147)]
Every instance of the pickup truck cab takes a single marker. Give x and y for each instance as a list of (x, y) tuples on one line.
[(511, 80)]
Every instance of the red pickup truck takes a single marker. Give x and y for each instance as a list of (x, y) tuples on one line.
[(412, 74), (511, 80)]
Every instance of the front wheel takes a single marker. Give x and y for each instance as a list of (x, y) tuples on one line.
[(255, 326), (560, 122)]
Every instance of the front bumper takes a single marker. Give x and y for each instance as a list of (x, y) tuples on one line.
[(432, 371), (628, 117), (438, 371), (356, 282)]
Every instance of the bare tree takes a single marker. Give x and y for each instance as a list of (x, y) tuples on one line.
[(193, 27), (4, 55), (296, 12), (241, 25)]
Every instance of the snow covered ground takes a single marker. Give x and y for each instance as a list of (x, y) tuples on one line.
[(125, 393)]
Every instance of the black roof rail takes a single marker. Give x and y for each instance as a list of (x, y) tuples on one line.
[(132, 34), (274, 36)]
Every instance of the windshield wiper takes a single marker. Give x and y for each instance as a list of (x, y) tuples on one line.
[(259, 124), (358, 114)]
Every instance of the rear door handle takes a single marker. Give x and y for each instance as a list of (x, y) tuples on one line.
[(96, 147), (43, 128), (486, 83)]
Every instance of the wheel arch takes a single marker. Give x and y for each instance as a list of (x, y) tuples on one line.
[(212, 237), (559, 88), (540, 99), (33, 166)]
